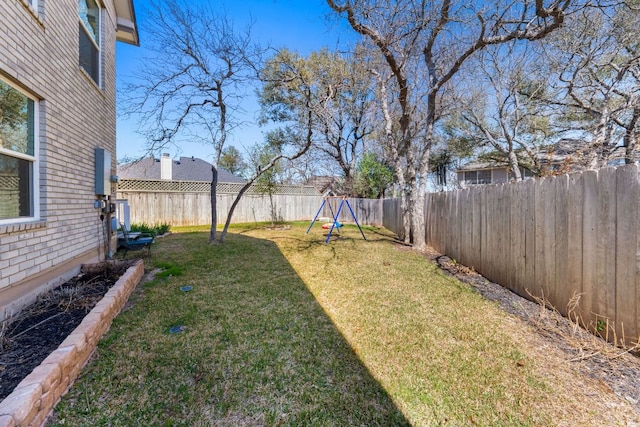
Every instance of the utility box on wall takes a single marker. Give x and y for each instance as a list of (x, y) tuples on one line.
[(103, 172)]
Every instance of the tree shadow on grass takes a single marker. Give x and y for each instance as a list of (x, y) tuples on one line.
[(255, 348)]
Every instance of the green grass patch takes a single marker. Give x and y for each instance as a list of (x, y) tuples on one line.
[(282, 329), (167, 269)]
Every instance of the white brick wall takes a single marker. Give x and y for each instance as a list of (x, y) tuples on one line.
[(40, 54)]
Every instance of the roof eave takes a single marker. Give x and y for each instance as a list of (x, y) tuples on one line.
[(126, 26)]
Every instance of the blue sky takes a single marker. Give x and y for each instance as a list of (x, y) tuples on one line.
[(299, 25)]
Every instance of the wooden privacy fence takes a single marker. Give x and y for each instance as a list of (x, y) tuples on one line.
[(185, 203), (556, 238)]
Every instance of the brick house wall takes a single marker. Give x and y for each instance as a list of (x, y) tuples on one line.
[(40, 57)]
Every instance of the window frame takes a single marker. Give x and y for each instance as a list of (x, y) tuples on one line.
[(97, 45), (33, 159), (468, 178), (485, 176), (33, 3)]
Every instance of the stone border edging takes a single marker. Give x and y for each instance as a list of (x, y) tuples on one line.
[(33, 400)]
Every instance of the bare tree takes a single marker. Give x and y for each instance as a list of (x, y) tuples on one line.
[(290, 98), (444, 34), (598, 64), (344, 121), (193, 84), (504, 112)]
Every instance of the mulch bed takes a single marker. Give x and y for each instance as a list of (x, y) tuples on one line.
[(29, 337)]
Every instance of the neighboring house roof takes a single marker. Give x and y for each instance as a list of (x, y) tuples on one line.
[(126, 27), (557, 153), (183, 169), (473, 166), (563, 150)]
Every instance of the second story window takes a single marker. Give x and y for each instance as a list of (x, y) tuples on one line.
[(89, 38)]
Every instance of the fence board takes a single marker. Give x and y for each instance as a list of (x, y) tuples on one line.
[(589, 243), (477, 230), (626, 250), (493, 236), (541, 223), (516, 243), (449, 223), (606, 260), (490, 236), (561, 292), (529, 284), (434, 220), (392, 217), (503, 226), (575, 230), (466, 228), (493, 225)]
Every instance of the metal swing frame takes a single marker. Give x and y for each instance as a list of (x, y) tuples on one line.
[(335, 215)]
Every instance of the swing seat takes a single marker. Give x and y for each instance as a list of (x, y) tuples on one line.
[(328, 225)]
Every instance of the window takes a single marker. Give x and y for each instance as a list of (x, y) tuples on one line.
[(484, 176), (32, 3), (470, 177), (18, 148), (36, 8), (526, 173), (89, 38), (477, 177)]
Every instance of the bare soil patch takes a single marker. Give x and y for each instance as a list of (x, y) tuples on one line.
[(29, 337), (616, 369)]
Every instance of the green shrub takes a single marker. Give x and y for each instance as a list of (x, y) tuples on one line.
[(142, 228), (163, 228), (154, 230)]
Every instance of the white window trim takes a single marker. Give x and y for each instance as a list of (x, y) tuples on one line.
[(35, 190), (36, 9), (32, 3)]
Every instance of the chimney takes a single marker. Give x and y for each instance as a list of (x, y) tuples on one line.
[(165, 167)]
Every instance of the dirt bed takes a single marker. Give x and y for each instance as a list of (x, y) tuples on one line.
[(29, 337)]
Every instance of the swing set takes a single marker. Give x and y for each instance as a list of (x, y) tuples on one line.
[(335, 213)]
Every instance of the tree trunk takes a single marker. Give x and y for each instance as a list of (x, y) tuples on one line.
[(405, 207), (514, 166), (214, 204), (597, 156), (418, 220), (418, 215), (630, 138), (399, 170), (244, 188)]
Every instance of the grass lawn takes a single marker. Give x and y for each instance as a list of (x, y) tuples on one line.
[(281, 329)]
